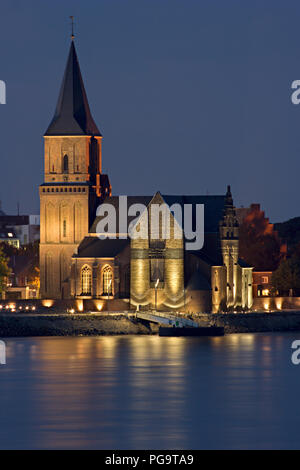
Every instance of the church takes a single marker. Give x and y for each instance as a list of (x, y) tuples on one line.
[(122, 272)]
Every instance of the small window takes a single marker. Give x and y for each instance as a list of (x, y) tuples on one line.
[(66, 164), (64, 228), (265, 279)]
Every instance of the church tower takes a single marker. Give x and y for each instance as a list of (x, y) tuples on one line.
[(73, 181), (229, 234)]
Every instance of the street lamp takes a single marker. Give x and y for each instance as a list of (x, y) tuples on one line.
[(156, 285)]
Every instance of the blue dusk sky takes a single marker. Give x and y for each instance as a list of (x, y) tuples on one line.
[(189, 95)]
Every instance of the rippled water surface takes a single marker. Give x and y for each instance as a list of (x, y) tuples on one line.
[(136, 392)]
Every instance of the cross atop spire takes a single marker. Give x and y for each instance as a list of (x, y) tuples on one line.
[(72, 27)]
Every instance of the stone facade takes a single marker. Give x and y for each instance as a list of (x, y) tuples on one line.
[(157, 264), (152, 271)]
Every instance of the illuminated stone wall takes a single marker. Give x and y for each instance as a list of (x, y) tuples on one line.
[(64, 210), (169, 293), (140, 273), (218, 286), (80, 157)]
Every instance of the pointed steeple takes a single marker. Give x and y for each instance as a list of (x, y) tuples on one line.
[(229, 200), (72, 115)]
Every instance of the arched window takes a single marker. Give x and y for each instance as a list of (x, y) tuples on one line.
[(86, 281), (65, 164), (107, 280)]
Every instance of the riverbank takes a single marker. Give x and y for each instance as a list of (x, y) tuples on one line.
[(94, 324), (14, 325)]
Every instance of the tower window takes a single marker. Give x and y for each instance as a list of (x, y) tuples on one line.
[(66, 164), (86, 280), (64, 228)]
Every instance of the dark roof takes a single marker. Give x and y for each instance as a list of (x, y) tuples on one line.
[(244, 264), (211, 252), (93, 247), (72, 115), (198, 282), (213, 208), (14, 219)]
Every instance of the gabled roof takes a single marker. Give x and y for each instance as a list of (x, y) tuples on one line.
[(72, 115), (213, 208)]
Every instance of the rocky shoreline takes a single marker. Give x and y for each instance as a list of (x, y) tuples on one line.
[(34, 324), (20, 325)]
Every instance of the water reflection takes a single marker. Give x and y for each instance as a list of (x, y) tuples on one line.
[(149, 392)]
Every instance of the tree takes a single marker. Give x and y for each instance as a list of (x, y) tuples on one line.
[(287, 276), (259, 245), (4, 269)]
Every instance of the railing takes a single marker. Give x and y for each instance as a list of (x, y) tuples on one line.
[(169, 319)]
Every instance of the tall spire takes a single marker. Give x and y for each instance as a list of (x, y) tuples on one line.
[(72, 115)]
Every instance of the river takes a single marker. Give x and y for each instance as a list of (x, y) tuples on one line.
[(145, 392)]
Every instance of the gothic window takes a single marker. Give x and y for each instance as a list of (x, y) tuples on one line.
[(65, 164), (157, 269), (86, 280), (107, 280), (157, 260)]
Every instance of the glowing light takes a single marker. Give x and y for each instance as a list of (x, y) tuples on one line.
[(79, 305), (72, 310), (47, 303), (99, 306), (33, 308)]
